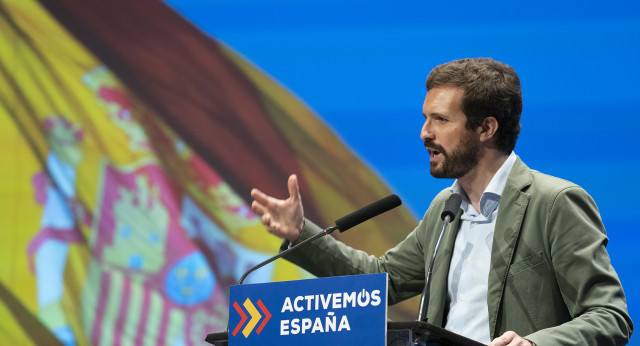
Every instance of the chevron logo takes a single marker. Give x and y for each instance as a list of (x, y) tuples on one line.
[(255, 317)]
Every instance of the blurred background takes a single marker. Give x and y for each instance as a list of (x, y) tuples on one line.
[(132, 133)]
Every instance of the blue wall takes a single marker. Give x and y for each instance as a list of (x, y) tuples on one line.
[(361, 65)]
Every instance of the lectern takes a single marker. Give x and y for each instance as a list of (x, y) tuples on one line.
[(347, 310)]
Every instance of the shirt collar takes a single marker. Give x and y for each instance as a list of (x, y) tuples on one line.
[(492, 193)]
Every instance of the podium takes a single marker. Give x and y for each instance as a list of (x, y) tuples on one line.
[(413, 333), (343, 310)]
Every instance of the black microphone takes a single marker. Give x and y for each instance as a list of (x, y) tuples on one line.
[(372, 210), (448, 214), (344, 223)]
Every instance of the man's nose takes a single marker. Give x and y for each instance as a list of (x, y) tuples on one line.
[(426, 132)]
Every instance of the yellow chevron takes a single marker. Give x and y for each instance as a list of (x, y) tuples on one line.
[(255, 317)]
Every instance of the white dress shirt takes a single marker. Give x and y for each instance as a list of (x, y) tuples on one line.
[(468, 312)]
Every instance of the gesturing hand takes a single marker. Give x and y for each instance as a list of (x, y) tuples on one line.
[(283, 218)]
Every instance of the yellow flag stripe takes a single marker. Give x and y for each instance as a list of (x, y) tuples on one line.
[(154, 319), (133, 314), (107, 337)]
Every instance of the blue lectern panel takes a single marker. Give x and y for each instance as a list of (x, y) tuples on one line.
[(342, 310)]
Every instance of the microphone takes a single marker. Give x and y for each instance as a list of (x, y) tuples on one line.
[(448, 214), (372, 210), (342, 224)]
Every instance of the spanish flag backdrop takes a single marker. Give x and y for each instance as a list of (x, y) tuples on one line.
[(129, 142)]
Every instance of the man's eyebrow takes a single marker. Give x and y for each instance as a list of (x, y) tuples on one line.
[(437, 114)]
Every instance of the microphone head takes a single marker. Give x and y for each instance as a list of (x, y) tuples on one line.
[(374, 209), (451, 207)]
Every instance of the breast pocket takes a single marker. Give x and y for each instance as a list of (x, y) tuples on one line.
[(526, 263)]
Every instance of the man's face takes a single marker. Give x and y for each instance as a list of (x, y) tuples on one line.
[(453, 148)]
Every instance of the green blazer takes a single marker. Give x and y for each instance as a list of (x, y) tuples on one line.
[(550, 280)]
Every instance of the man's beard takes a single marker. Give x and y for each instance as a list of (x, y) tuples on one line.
[(459, 162)]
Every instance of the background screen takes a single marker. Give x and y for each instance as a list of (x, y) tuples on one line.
[(361, 65)]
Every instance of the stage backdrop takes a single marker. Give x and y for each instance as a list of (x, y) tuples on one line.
[(132, 133), (361, 65)]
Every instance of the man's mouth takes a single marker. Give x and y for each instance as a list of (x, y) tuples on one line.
[(433, 152)]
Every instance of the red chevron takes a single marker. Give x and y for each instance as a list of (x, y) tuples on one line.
[(267, 316), (242, 321)]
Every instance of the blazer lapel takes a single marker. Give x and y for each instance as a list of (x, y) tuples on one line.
[(513, 205)]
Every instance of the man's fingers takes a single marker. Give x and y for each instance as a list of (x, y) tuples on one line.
[(258, 208), (264, 199), (280, 217), (268, 202), (266, 219), (259, 196), (504, 339), (294, 189), (508, 336)]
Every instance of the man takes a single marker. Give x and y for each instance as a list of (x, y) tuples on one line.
[(524, 263)]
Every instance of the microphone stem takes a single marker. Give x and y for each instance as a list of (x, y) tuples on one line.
[(327, 231), (424, 302)]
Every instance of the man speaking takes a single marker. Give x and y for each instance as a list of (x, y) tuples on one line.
[(525, 261)]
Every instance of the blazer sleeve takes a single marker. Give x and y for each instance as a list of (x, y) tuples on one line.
[(327, 256), (588, 283)]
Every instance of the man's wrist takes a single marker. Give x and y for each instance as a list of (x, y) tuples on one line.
[(297, 237)]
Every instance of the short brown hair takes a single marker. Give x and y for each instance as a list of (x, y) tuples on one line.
[(491, 88)]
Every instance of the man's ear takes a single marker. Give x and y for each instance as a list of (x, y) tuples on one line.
[(488, 128)]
